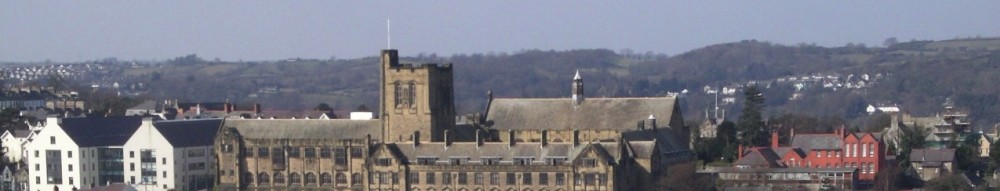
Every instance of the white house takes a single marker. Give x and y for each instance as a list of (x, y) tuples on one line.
[(7, 177), (12, 143), (172, 154), (89, 152)]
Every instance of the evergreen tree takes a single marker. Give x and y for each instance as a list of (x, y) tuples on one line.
[(750, 129)]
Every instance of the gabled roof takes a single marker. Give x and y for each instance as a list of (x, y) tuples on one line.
[(759, 157), (932, 155), (591, 114), (817, 141), (189, 133), (100, 131), (21, 133), (305, 129)]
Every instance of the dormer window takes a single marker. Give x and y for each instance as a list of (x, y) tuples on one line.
[(523, 160), (590, 162), (426, 160), (556, 161), (491, 161)]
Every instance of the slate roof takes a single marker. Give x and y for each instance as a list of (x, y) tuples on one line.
[(21, 133), (189, 133), (609, 151), (305, 128), (817, 141), (101, 131), (592, 114), (932, 155), (759, 157)]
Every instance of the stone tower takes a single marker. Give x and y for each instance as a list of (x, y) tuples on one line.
[(415, 99)]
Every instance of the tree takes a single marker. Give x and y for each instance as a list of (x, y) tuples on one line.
[(948, 182), (750, 129), (323, 107)]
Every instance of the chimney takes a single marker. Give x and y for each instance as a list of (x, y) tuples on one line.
[(545, 138), (256, 108), (651, 122), (739, 151), (53, 120), (368, 144), (416, 138), (774, 139), (227, 107), (843, 131), (479, 139), (576, 137), (577, 89), (791, 133), (447, 139), (197, 109), (510, 138), (894, 121)]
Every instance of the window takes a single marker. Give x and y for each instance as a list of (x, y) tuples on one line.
[(38, 167), (817, 154), (356, 152), (52, 140), (430, 178), (293, 152), (589, 179), (602, 179), (871, 149), (404, 94), (310, 178), (828, 153), (325, 152), (294, 178), (577, 179), (131, 154), (526, 178), (383, 162), (310, 152), (262, 152), (463, 178), (341, 178), (491, 161), (36, 153), (71, 168), (523, 161), (426, 160), (131, 167), (457, 161), (864, 150), (556, 161), (340, 156), (263, 178), (53, 166), (446, 178), (414, 178), (279, 178), (511, 178), (356, 178), (147, 166), (277, 160), (69, 154), (325, 179), (248, 152), (196, 166), (543, 178), (589, 162), (164, 174), (494, 178), (164, 159), (478, 178)]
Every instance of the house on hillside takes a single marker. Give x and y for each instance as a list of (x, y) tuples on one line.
[(932, 163)]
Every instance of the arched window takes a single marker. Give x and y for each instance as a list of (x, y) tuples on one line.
[(355, 178), (310, 178), (341, 178), (279, 178), (294, 178), (325, 179), (263, 178)]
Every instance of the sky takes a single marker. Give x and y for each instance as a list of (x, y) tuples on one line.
[(72, 31)]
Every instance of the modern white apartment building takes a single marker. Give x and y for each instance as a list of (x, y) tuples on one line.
[(87, 152)]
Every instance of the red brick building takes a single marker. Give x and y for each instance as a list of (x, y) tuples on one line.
[(861, 151)]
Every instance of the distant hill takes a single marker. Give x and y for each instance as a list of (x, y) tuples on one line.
[(917, 75)]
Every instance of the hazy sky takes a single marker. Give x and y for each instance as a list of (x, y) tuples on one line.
[(268, 30)]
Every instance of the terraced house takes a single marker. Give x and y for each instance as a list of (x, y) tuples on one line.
[(549, 144)]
